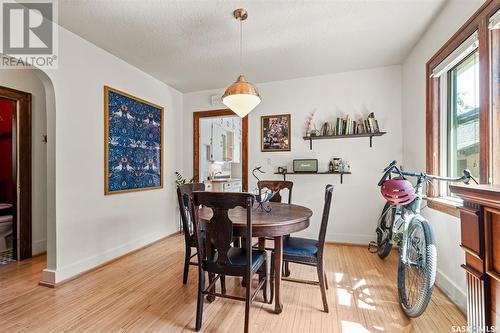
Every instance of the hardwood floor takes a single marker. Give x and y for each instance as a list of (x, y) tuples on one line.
[(143, 292)]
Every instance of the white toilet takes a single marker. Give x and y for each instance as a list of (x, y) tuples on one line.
[(5, 231)]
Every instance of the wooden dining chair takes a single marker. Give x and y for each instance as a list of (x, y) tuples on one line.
[(183, 193), (309, 252), (276, 186), (216, 254)]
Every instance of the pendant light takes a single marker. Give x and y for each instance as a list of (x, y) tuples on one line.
[(241, 97)]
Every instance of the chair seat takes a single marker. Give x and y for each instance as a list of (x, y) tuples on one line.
[(300, 246), (238, 256)]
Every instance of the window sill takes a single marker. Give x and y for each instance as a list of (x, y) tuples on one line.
[(444, 205)]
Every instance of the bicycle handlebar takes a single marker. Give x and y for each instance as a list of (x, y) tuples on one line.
[(392, 168), (393, 163)]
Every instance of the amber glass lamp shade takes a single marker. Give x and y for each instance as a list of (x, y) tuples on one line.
[(241, 97)]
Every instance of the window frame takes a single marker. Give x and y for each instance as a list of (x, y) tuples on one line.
[(478, 22)]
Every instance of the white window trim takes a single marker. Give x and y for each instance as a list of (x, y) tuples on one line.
[(460, 53), (443, 132), (495, 21)]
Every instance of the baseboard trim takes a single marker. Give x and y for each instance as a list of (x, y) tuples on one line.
[(46, 284), (48, 278), (44, 253), (350, 238), (346, 244), (38, 246), (451, 290)]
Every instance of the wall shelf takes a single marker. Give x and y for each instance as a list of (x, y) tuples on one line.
[(325, 137), (314, 173)]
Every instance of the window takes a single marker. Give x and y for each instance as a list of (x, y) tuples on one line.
[(459, 138), (463, 118), (463, 106)]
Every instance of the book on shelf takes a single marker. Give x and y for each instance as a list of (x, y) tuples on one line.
[(348, 126), (374, 128)]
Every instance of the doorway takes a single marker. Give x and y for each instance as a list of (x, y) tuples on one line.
[(220, 150), (15, 175)]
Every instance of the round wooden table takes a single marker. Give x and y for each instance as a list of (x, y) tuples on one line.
[(283, 219)]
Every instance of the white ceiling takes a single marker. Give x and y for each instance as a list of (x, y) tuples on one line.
[(193, 45)]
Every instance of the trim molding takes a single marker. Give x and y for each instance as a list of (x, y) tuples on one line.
[(444, 206), (352, 239), (50, 277), (451, 290), (347, 244), (38, 247)]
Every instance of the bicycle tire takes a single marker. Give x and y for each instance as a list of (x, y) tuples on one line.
[(384, 230), (429, 275)]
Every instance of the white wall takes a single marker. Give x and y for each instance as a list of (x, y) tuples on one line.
[(451, 278), (357, 202), (91, 228), (28, 81)]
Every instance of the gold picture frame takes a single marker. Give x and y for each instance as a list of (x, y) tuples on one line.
[(112, 189), (275, 133)]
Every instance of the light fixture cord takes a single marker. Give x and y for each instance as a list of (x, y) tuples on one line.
[(241, 46)]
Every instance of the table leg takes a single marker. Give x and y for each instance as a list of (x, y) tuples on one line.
[(278, 260)]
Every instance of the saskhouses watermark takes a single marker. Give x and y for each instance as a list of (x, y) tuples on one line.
[(28, 34)]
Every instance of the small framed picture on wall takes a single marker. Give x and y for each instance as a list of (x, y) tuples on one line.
[(275, 133)]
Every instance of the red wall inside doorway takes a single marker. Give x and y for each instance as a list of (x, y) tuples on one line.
[(6, 182)]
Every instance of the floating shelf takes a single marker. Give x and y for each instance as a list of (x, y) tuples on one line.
[(314, 173), (325, 137)]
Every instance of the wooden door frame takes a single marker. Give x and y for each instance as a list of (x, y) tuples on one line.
[(21, 138), (196, 142)]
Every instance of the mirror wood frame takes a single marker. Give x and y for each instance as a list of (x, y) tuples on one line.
[(196, 142)]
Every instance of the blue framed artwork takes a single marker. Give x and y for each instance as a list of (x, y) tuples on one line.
[(133, 143)]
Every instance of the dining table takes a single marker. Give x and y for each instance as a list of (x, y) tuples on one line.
[(283, 219)]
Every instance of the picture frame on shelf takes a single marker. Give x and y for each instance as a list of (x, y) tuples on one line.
[(133, 143), (275, 133)]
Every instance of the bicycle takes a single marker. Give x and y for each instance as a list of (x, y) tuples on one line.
[(402, 224)]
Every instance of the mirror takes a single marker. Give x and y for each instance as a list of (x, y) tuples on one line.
[(219, 157)]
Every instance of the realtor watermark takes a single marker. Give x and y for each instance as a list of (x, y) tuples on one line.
[(473, 329), (28, 34)]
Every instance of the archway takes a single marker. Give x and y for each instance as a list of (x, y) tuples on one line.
[(43, 187)]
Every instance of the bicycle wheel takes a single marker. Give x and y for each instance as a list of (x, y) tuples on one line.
[(384, 230), (416, 276)]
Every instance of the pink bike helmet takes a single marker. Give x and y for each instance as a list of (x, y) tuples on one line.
[(398, 191)]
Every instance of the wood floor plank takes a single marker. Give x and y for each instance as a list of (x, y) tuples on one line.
[(143, 292)]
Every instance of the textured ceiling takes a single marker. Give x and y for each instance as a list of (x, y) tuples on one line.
[(193, 45)]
